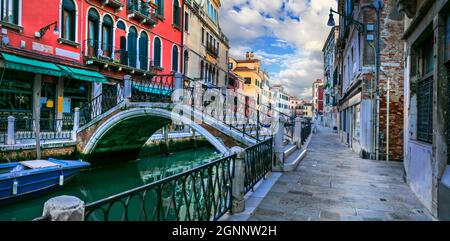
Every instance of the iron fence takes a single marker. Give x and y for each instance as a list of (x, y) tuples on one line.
[(258, 162), (201, 194), (306, 131)]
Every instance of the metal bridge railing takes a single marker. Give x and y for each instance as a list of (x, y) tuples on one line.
[(201, 194), (258, 162)]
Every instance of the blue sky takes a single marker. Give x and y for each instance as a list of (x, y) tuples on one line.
[(287, 35)]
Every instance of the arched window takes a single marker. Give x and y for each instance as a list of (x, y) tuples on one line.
[(132, 46), (107, 36), (121, 25), (68, 20), (175, 59), (176, 13), (143, 51), (157, 52), (10, 11), (160, 9), (92, 41)]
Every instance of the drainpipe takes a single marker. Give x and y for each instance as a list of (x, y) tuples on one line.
[(377, 77), (388, 93)]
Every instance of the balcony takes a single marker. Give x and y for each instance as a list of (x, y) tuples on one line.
[(107, 56), (212, 49), (144, 13), (117, 5)]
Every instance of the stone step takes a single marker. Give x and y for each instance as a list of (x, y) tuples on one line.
[(291, 162), (289, 149)]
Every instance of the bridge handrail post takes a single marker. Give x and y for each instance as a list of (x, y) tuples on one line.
[(178, 88), (76, 123), (278, 143), (11, 137), (238, 188), (127, 87), (297, 136)]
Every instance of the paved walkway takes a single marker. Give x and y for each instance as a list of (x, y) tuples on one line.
[(333, 183)]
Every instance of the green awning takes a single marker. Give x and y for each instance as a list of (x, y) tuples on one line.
[(83, 74), (31, 65)]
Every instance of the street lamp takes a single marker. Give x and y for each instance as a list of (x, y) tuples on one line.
[(331, 23), (44, 29)]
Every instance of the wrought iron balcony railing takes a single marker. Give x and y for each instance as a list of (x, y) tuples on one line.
[(143, 12), (103, 53), (115, 4), (212, 49)]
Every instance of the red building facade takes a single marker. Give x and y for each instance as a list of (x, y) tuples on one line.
[(97, 41)]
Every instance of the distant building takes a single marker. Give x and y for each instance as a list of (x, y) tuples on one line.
[(318, 100), (205, 45), (281, 99), (249, 69), (330, 79), (363, 122)]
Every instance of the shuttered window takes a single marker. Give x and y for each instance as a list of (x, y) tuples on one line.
[(176, 13), (157, 52)]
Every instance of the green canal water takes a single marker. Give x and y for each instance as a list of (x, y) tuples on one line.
[(103, 181)]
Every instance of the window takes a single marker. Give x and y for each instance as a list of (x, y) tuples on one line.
[(176, 13), (186, 62), (92, 42), (157, 47), (357, 121), (16, 92), (143, 51), (203, 36), (132, 47), (425, 92), (160, 9), (68, 20), (107, 36), (186, 21), (175, 59), (10, 11)]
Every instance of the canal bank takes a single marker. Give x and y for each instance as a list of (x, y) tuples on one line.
[(103, 180)]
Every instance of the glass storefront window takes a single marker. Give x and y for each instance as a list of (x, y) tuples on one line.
[(76, 94), (16, 92), (357, 121)]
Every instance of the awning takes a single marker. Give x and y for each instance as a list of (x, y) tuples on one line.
[(83, 74), (31, 65)]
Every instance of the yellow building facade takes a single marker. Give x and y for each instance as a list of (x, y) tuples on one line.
[(249, 69)]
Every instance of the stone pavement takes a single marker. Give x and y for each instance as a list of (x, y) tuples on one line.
[(333, 183)]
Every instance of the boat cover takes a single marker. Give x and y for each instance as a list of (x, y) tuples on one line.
[(38, 164)]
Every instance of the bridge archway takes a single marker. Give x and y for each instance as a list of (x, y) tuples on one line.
[(127, 131)]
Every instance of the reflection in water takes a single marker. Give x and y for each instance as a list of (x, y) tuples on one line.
[(103, 181)]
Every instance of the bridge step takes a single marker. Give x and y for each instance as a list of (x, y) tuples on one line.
[(289, 149), (291, 162)]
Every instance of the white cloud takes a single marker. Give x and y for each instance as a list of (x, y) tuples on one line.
[(258, 18)]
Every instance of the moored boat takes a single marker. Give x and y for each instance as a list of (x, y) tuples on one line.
[(19, 180)]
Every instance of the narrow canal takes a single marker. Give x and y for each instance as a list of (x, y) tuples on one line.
[(103, 181)]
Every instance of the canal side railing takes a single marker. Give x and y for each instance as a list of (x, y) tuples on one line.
[(204, 193), (258, 162), (201, 194)]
